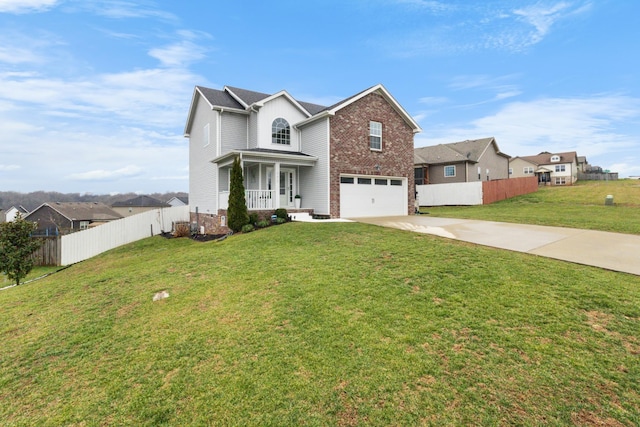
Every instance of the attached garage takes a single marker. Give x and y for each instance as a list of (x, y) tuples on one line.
[(365, 196)]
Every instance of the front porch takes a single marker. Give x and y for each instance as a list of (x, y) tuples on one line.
[(272, 179)]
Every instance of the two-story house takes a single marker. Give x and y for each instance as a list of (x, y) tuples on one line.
[(351, 159), (464, 161), (550, 168)]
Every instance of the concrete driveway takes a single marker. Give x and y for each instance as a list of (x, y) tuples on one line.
[(613, 251)]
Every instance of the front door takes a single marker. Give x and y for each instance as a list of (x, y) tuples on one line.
[(287, 184)]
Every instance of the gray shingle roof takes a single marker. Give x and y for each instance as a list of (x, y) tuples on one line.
[(545, 158), (219, 98), (469, 150), (222, 98), (84, 211)]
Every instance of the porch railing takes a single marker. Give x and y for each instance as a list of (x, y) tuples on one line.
[(259, 199), (256, 199)]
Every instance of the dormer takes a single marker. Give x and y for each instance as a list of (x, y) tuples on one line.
[(555, 158)]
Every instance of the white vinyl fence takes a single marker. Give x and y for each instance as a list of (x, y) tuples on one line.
[(456, 194), (85, 244)]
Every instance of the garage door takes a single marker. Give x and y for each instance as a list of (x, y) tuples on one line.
[(362, 196)]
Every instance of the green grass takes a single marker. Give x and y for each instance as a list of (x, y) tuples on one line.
[(577, 206), (321, 324), (34, 274)]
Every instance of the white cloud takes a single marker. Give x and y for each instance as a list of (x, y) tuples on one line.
[(26, 6), (8, 168), (477, 26), (178, 54), (101, 174), (593, 126)]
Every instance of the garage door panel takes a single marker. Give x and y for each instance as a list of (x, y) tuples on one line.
[(364, 197)]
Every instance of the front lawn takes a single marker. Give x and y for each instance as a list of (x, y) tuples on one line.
[(321, 324), (577, 206)]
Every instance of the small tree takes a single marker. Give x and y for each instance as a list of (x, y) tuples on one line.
[(16, 247), (237, 211)]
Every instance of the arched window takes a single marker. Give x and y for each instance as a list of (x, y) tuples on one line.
[(280, 132)]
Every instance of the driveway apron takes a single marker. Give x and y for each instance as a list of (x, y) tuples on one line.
[(612, 251)]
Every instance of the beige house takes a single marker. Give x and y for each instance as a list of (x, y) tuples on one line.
[(550, 168), (465, 161)]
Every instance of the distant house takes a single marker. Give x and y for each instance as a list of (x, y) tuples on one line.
[(583, 164), (138, 205), (63, 218), (465, 161), (13, 211), (178, 201), (550, 168)]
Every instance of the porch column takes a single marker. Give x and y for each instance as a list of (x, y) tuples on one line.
[(276, 184)]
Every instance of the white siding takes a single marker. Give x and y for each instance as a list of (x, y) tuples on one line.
[(253, 130), (314, 181), (278, 107), (234, 132), (202, 173)]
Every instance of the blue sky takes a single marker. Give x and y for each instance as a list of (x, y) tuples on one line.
[(94, 94)]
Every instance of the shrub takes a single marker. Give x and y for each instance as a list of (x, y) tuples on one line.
[(281, 213), (280, 220), (237, 211), (262, 224), (16, 247), (247, 228), (253, 218), (182, 229)]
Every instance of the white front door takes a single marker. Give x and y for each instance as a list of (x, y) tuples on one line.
[(287, 187)]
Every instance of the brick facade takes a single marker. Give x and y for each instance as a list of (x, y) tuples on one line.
[(350, 152)]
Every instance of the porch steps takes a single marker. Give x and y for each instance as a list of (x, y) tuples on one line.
[(300, 216)]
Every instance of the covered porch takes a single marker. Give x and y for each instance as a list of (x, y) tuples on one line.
[(271, 177)]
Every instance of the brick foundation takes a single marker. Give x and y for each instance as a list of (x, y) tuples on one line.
[(213, 223)]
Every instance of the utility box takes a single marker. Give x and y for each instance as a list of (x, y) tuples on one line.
[(608, 201)]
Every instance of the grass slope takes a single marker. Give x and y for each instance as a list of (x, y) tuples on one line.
[(321, 324), (577, 206)]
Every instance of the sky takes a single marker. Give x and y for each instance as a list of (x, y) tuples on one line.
[(94, 95)]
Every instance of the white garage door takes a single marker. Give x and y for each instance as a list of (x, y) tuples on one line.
[(362, 196)]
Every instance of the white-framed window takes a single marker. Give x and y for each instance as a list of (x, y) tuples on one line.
[(555, 158), (560, 168), (510, 171), (280, 132), (561, 180), (206, 135), (84, 225), (375, 136), (527, 170), (449, 171)]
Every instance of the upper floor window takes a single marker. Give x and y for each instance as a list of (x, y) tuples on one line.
[(527, 170), (555, 158), (560, 168), (375, 136), (449, 171), (280, 132)]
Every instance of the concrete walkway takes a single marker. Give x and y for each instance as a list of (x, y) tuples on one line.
[(612, 251)]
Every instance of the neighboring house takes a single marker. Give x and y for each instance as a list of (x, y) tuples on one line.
[(62, 218), (138, 205), (583, 164), (178, 201), (465, 161), (13, 211), (550, 168), (351, 159)]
